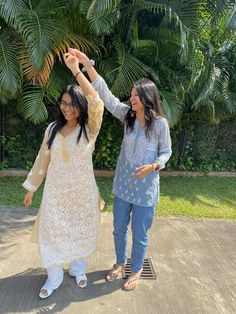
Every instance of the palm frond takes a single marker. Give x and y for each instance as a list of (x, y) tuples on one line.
[(167, 41), (172, 106), (184, 12), (172, 80), (126, 70), (10, 74), (40, 33), (231, 21), (163, 36), (184, 35), (180, 34), (218, 7), (51, 6), (229, 97), (197, 66), (99, 7), (60, 77), (76, 21), (208, 87), (103, 24), (4, 97), (146, 50), (217, 89), (84, 6), (36, 76), (11, 10), (139, 5), (31, 104), (187, 12), (82, 43), (210, 110)]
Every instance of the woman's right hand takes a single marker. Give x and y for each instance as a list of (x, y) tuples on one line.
[(28, 198), (71, 62), (83, 59)]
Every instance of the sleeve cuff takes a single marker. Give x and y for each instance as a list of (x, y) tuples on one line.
[(28, 186), (93, 100), (96, 81), (161, 164)]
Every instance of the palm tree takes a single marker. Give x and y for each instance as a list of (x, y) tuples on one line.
[(34, 35), (167, 41), (138, 38), (184, 46)]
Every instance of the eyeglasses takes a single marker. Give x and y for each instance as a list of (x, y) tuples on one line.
[(64, 104)]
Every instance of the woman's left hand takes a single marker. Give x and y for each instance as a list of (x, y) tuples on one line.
[(143, 171), (71, 62)]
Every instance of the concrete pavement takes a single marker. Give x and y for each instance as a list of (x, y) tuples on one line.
[(194, 260)]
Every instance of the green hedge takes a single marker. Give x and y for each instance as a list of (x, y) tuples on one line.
[(208, 147)]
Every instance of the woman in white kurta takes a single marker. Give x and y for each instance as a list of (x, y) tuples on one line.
[(69, 214)]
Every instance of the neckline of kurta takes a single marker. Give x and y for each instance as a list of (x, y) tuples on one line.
[(68, 135)]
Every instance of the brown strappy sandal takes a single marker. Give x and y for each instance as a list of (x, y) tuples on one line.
[(132, 282), (115, 273)]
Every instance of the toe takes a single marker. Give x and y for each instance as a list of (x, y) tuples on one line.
[(44, 292)]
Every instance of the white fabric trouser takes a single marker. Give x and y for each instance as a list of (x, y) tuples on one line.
[(56, 273)]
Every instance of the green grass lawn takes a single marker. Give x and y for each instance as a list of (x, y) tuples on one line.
[(193, 197)]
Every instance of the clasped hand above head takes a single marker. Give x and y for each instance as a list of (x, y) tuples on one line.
[(71, 62), (82, 58)]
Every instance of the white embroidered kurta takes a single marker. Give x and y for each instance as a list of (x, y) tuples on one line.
[(69, 213)]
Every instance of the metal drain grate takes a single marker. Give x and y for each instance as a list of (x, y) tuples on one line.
[(147, 272)]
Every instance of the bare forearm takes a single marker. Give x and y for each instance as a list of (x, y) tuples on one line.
[(72, 63), (84, 83)]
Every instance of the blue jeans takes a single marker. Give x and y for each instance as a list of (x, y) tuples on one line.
[(142, 218)]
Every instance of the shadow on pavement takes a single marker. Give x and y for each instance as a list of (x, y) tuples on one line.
[(20, 291)]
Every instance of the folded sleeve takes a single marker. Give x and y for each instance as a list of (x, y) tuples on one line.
[(39, 169), (164, 144), (95, 113), (112, 104)]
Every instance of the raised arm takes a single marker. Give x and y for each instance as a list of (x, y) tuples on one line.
[(112, 104), (95, 104), (73, 64), (95, 113)]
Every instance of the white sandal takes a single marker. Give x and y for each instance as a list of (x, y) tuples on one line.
[(48, 291), (80, 278)]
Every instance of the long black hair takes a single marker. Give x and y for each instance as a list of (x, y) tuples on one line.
[(150, 98), (79, 101)]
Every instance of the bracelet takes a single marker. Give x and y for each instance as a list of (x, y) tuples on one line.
[(154, 168), (77, 74), (88, 65)]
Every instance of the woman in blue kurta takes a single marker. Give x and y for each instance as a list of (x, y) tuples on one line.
[(145, 149)]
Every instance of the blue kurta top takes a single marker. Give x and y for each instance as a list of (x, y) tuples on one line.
[(136, 150)]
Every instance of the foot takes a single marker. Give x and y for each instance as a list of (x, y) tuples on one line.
[(45, 292), (115, 273), (132, 282), (81, 280)]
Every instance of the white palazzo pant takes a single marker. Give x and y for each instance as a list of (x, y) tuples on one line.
[(56, 273)]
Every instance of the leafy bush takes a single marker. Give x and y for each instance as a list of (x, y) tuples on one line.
[(108, 143), (208, 147)]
